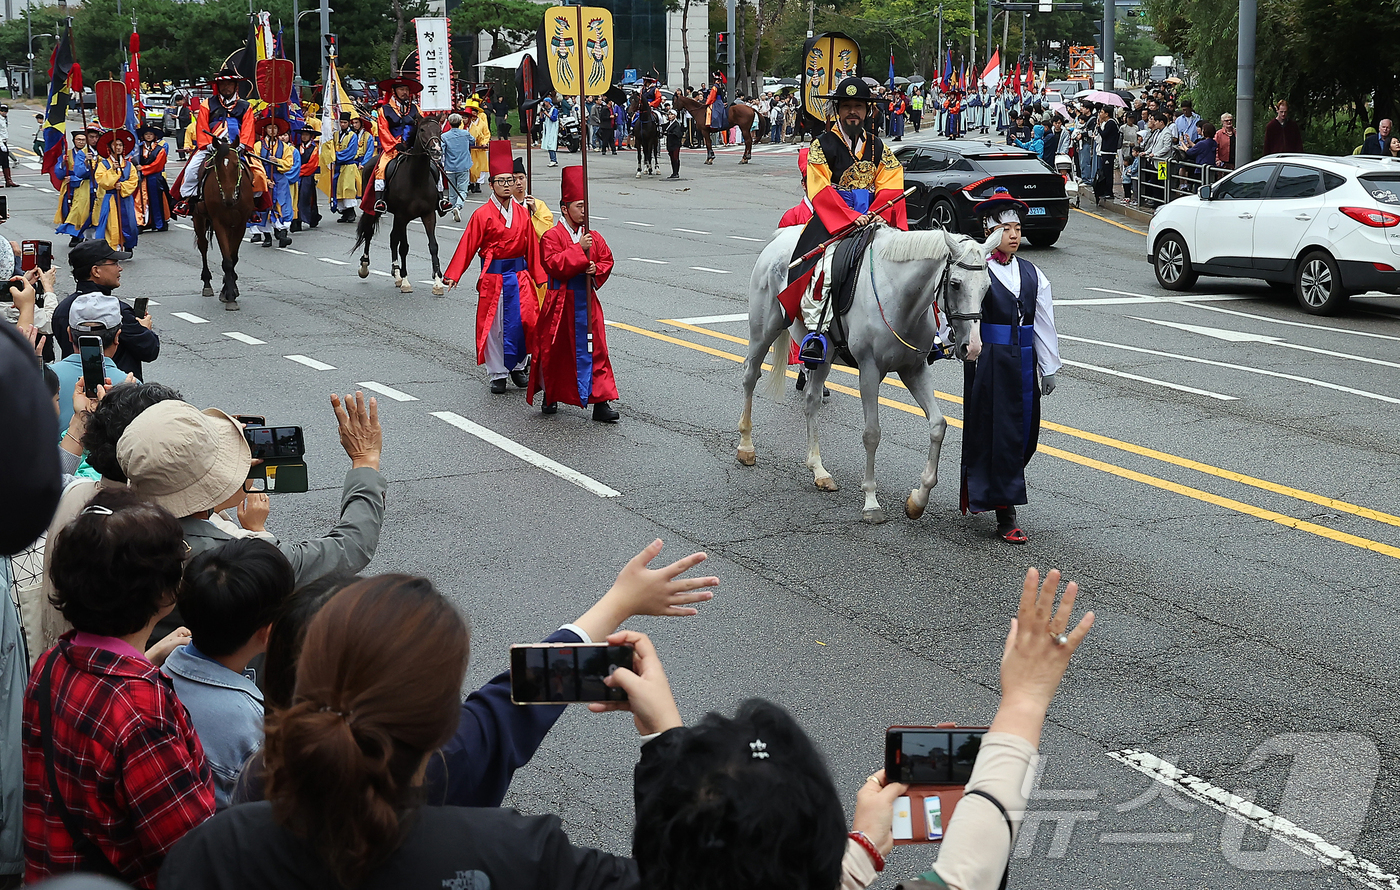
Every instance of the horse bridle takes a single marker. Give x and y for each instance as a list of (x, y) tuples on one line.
[(236, 150), (943, 285)]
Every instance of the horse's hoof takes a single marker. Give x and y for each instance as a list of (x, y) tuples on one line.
[(826, 483), (364, 270), (911, 509), (208, 291), (406, 287), (439, 290), (743, 160), (231, 305), (747, 458), (639, 174), (874, 517)]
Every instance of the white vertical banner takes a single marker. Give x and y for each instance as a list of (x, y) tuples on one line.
[(434, 63)]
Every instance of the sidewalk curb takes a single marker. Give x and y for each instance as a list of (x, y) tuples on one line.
[(1086, 194)]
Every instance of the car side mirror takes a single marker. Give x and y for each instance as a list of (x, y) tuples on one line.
[(1204, 193)]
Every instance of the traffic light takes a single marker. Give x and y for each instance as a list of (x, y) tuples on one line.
[(1098, 37), (722, 48), (330, 45)]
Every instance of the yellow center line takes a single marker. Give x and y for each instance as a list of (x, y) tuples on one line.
[(1122, 472), (1110, 222), (1141, 450)]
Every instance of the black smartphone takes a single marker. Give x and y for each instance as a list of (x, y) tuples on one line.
[(561, 673), (251, 419), (272, 442), (139, 306), (43, 255), (94, 372), (4, 207), (924, 755)]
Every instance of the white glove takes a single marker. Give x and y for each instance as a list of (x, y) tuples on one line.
[(1047, 384)]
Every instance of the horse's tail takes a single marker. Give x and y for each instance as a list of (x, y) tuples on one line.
[(778, 358), (365, 229)]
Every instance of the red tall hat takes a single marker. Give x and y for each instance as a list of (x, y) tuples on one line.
[(802, 160), (502, 164), (571, 185)]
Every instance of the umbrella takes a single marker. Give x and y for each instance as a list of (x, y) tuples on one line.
[(1172, 80), (790, 82), (901, 81), (1125, 95), (916, 80), (1059, 108), (1101, 97), (872, 81)]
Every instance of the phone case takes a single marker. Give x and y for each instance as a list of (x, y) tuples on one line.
[(919, 804)]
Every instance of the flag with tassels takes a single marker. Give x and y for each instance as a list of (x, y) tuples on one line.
[(63, 70)]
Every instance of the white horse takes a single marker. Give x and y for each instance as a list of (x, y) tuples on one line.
[(890, 327)]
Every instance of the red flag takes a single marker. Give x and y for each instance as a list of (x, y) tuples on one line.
[(1016, 78), (111, 103), (274, 79), (993, 66), (1030, 75)]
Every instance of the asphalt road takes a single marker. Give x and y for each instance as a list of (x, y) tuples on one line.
[(1218, 473)]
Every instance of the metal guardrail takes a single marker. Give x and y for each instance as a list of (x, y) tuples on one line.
[(1163, 181)]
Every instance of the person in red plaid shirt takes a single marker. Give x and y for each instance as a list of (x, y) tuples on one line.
[(114, 774)]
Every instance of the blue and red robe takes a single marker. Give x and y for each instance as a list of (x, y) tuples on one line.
[(571, 362), (154, 191), (510, 270)]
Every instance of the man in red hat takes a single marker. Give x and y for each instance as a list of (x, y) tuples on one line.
[(117, 179), (798, 216), (277, 159), (501, 231), (571, 347), (227, 115)]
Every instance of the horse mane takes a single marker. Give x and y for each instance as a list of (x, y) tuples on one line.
[(903, 247)]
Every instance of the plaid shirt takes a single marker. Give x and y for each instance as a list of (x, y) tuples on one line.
[(126, 758)]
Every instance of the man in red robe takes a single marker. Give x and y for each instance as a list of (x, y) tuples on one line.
[(500, 230), (571, 347)]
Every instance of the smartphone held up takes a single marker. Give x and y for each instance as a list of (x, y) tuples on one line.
[(566, 673), (280, 454), (94, 370), (936, 763)]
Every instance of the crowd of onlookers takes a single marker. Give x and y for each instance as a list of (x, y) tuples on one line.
[(194, 697)]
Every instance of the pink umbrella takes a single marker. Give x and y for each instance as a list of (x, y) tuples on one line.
[(1101, 97)]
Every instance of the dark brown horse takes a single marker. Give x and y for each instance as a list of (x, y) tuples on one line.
[(225, 205), (740, 115), (647, 134), (410, 192)]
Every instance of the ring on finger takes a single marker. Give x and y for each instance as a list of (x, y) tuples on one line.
[(1059, 638)]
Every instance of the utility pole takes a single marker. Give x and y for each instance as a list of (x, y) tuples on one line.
[(940, 29), (1244, 85), (296, 43), (729, 24), (1109, 14), (811, 10)]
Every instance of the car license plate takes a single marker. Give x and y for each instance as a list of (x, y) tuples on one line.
[(1037, 211)]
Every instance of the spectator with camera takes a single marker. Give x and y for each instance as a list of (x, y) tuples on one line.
[(97, 269), (344, 807), (91, 314), (114, 774), (228, 599), (195, 464)]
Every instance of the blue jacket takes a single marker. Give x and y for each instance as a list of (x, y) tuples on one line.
[(1203, 152), (457, 150), (226, 709), (1037, 143), (69, 371)]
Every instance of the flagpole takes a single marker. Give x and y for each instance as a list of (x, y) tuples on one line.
[(582, 116), (73, 44)]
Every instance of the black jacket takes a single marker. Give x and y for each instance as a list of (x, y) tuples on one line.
[(137, 344)]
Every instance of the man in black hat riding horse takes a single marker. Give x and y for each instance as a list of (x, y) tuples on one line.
[(850, 175), (225, 114)]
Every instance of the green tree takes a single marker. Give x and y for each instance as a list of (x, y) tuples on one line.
[(1136, 46)]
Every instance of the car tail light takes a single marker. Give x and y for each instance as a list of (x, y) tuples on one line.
[(1376, 219), (1382, 267), (971, 186)]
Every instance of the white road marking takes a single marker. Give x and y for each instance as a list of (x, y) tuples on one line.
[(1132, 300), (1242, 337), (310, 363), (450, 228), (192, 319), (152, 303), (25, 185), (244, 338), (377, 272), (691, 231), (326, 259), (591, 217), (631, 223), (290, 250), (528, 455), (714, 319), (642, 259), (708, 269), (1188, 298), (743, 238), (1363, 871), (187, 228), (397, 395), (1201, 361), (1296, 324), (1155, 382)]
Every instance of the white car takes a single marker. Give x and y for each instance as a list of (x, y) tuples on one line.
[(1323, 227)]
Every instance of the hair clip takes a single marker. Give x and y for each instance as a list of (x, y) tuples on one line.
[(341, 714), (96, 510), (758, 749)]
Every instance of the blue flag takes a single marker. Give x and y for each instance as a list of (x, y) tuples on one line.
[(891, 82)]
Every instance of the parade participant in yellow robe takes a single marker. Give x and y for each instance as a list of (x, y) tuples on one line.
[(117, 177), (352, 150), (76, 192), (481, 132)]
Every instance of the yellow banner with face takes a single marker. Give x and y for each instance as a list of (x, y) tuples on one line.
[(573, 53), (830, 57)]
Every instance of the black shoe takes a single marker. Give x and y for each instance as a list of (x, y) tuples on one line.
[(604, 413), (521, 379), (283, 239), (296, 225), (549, 408), (813, 350), (674, 176), (380, 206), (257, 238), (347, 217), (267, 242), (498, 386), (314, 223), (444, 207), (75, 241)]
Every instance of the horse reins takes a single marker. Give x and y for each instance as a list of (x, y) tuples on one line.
[(937, 295)]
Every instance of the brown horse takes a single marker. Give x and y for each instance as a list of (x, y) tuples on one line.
[(740, 115), (225, 205)]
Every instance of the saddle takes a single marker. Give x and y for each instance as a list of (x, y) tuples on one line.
[(262, 202), (847, 260)]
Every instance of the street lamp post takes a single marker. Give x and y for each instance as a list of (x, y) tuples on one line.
[(296, 35)]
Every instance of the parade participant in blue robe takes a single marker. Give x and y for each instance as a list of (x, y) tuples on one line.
[(117, 178), (78, 193), (154, 192), (279, 160), (1001, 408)]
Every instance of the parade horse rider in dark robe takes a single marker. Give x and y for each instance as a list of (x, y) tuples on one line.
[(1002, 388), (226, 115), (850, 175)]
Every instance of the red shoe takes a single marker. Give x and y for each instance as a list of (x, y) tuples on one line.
[(1014, 536)]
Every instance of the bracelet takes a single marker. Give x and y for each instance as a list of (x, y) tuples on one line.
[(869, 846)]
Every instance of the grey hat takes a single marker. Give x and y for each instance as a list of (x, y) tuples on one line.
[(184, 459), (93, 310)]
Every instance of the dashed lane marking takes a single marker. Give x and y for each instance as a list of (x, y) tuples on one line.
[(631, 223), (192, 319), (1314, 846), (382, 274), (530, 456), (744, 238), (1108, 441), (244, 338), (326, 259), (290, 250), (691, 231), (642, 259), (397, 395), (708, 269), (310, 363), (185, 226), (1126, 376)]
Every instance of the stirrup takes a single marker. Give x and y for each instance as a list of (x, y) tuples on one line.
[(444, 206), (813, 351), (940, 350), (380, 206)]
